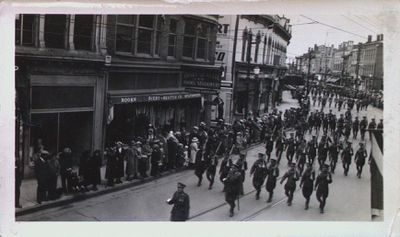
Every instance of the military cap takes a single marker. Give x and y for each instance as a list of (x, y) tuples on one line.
[(195, 127), (181, 185), (202, 124)]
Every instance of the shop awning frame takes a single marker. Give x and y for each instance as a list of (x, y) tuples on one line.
[(115, 98)]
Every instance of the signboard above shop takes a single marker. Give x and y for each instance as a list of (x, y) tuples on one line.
[(201, 77), (127, 99)]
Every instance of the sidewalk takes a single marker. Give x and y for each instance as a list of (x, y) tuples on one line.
[(28, 186)]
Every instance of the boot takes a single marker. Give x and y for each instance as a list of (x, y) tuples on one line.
[(269, 198), (231, 212), (257, 195), (306, 207)]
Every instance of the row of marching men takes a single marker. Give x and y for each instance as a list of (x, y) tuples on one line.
[(300, 159)]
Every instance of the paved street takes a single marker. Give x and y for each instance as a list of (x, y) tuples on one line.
[(349, 198)]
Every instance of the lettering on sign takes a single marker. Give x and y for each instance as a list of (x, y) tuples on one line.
[(202, 78), (152, 98)]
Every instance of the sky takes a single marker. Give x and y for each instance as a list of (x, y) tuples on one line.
[(306, 35)]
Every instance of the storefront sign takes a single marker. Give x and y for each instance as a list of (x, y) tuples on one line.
[(202, 78), (150, 98)]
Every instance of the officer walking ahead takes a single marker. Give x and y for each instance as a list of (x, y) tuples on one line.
[(233, 183), (181, 202), (259, 171)]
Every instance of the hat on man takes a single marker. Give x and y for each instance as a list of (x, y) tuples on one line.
[(119, 143), (138, 143), (261, 155), (181, 185), (195, 128)]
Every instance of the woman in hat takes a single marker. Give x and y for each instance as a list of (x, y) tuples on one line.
[(194, 148)]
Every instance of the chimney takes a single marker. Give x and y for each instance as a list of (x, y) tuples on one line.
[(369, 38)]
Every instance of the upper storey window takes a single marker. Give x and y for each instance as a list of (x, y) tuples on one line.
[(24, 30), (83, 31), (196, 40), (55, 29)]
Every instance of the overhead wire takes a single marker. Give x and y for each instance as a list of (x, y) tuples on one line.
[(348, 18)]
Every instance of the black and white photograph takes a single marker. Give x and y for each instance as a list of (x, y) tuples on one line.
[(160, 117), (198, 118)]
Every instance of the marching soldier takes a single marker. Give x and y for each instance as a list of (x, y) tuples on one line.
[(212, 162), (273, 174), (312, 146), (301, 159), (356, 124), (242, 165), (321, 185), (279, 147), (323, 149), (225, 167), (380, 124), (372, 124), (363, 127), (359, 158), (292, 176), (307, 183), (233, 183), (181, 202), (290, 148), (346, 157), (200, 165), (333, 155), (259, 171), (269, 146)]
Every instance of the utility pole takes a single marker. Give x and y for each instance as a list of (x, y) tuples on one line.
[(309, 68), (342, 80), (233, 72), (248, 59), (358, 64)]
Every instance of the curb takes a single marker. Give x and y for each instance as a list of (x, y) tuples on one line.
[(83, 196)]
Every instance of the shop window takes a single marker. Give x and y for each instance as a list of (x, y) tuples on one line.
[(172, 38), (54, 31), (50, 97), (124, 33), (24, 30), (83, 31)]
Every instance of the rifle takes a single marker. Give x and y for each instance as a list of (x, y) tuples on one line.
[(219, 145)]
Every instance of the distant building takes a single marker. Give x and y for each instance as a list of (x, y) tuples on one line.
[(253, 58)]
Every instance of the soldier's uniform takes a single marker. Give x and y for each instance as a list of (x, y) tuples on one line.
[(292, 176), (312, 149), (363, 127), (273, 174), (380, 124), (233, 182), (269, 146), (359, 158), (372, 124), (356, 124), (225, 167), (307, 183), (346, 157), (212, 162), (242, 166), (322, 185), (323, 149), (291, 146), (181, 202), (279, 147), (259, 172), (333, 155)]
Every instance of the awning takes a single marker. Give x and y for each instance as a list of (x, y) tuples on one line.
[(171, 96)]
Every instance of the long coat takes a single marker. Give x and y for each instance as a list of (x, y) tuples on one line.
[(307, 182), (322, 182), (233, 184), (132, 156), (93, 168), (119, 168), (273, 174), (259, 171), (181, 202)]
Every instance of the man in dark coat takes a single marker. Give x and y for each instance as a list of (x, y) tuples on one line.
[(359, 158), (272, 174), (233, 183), (181, 202), (269, 146), (321, 185), (66, 169), (225, 167), (120, 157), (307, 183), (380, 124), (200, 165), (347, 154), (292, 176), (155, 161), (242, 164), (41, 172), (259, 171), (111, 164), (279, 147), (93, 169)]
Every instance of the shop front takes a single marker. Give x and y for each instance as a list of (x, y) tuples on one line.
[(130, 114)]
